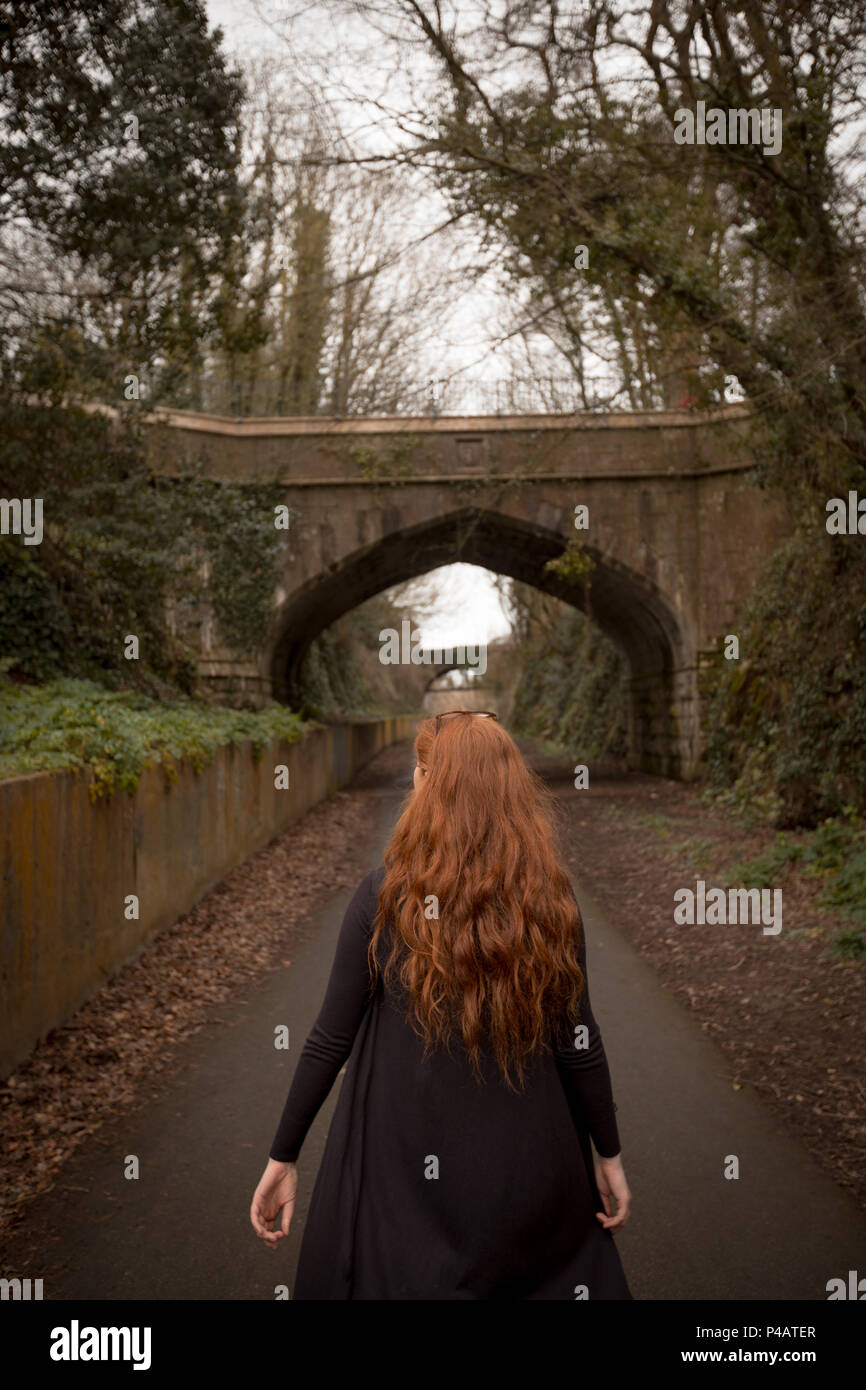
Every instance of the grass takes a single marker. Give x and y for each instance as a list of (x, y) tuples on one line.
[(834, 852), (698, 850)]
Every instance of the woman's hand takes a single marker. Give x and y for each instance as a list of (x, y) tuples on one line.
[(277, 1188), (610, 1177)]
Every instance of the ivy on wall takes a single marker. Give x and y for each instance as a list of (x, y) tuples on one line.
[(124, 552), (113, 735), (573, 691), (786, 721)]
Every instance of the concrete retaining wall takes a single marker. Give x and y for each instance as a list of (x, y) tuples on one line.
[(67, 865)]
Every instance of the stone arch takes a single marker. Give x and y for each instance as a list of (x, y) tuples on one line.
[(630, 608)]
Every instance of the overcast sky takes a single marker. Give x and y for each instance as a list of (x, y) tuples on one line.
[(468, 607)]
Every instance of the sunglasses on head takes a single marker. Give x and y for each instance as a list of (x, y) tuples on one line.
[(482, 713)]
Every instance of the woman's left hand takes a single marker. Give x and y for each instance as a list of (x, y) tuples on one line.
[(276, 1190)]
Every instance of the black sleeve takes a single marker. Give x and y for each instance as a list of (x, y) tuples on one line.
[(585, 1073), (333, 1034)]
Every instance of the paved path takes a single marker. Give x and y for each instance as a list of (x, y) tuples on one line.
[(182, 1230)]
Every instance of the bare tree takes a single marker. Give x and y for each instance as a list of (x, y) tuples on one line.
[(552, 127), (341, 293)]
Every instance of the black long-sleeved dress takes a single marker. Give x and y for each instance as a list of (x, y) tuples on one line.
[(433, 1186)]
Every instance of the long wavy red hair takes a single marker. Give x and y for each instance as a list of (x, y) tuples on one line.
[(476, 842)]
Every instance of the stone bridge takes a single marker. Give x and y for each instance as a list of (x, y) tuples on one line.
[(676, 531)]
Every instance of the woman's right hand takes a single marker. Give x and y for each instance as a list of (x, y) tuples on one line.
[(274, 1195), (610, 1177)]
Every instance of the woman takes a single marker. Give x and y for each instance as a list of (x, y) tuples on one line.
[(458, 1164)]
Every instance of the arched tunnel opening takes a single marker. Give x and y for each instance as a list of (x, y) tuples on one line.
[(456, 685), (628, 608)]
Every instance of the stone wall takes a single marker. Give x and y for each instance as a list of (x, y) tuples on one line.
[(67, 865)]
